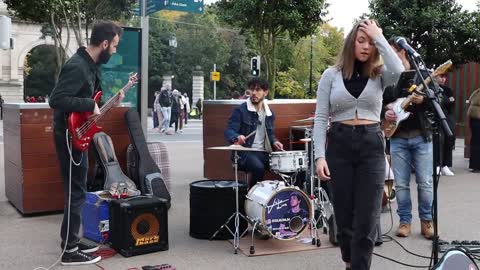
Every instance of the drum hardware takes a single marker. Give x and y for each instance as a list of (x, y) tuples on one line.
[(277, 210), (236, 235), (321, 201)]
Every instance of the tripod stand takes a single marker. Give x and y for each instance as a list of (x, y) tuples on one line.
[(321, 201), (437, 118), (237, 215)]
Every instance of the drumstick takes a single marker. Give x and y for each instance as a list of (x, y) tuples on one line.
[(250, 135)]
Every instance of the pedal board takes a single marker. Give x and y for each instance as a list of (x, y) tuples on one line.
[(472, 246)]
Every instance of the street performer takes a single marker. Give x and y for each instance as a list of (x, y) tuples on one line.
[(251, 125), (354, 158), (73, 93)]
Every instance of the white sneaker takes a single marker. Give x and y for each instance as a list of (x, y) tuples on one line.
[(446, 171), (439, 171)]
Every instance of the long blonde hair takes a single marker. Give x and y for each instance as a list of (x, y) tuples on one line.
[(346, 59)]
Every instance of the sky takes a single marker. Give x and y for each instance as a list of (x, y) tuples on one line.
[(342, 17)]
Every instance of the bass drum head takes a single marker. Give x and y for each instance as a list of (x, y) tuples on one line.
[(287, 213)]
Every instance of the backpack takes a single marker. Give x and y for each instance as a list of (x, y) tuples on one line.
[(165, 99)]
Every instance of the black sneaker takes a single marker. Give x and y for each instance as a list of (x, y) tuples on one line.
[(79, 258), (87, 248)]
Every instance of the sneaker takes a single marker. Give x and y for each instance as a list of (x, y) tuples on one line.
[(439, 172), (87, 248), (446, 171), (79, 258), (427, 229), (404, 230)]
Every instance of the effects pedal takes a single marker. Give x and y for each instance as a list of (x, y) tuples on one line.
[(473, 246)]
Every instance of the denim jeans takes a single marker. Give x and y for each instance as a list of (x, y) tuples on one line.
[(78, 190), (255, 163), (166, 112), (405, 153), (356, 158)]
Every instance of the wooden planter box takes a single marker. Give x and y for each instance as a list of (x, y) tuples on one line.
[(33, 183), (217, 164)]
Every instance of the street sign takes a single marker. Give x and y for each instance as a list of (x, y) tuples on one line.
[(215, 76), (152, 6), (192, 6)]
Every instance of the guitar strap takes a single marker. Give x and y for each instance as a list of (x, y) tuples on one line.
[(148, 174), (116, 182)]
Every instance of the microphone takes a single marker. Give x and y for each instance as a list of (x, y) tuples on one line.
[(402, 43)]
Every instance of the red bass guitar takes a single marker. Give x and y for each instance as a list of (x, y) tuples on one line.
[(83, 125)]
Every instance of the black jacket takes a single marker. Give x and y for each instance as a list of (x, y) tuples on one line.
[(75, 87), (417, 118)]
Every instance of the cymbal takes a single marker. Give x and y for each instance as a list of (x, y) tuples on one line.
[(309, 119), (236, 147)]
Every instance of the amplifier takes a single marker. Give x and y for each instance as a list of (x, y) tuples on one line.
[(139, 225)]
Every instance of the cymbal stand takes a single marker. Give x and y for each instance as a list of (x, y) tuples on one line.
[(313, 221), (236, 235)]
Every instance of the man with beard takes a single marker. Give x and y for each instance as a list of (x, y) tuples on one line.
[(251, 125), (73, 92), (295, 212)]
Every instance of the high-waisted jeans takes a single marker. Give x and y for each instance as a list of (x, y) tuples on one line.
[(356, 159)]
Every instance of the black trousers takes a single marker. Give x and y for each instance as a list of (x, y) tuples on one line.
[(475, 144), (79, 188), (356, 159)]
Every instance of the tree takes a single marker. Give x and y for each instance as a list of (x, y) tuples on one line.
[(39, 78), (73, 15), (269, 19), (294, 61), (439, 29)]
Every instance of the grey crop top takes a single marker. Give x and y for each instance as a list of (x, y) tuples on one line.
[(334, 100)]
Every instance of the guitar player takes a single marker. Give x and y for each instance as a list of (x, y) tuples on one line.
[(410, 147), (73, 92)]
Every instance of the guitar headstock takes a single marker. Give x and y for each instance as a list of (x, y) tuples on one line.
[(442, 68)]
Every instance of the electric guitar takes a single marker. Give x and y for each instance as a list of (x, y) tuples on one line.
[(399, 106), (83, 125)]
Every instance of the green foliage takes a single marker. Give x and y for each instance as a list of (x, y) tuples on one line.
[(269, 19), (39, 77), (439, 29), (288, 86), (294, 61)]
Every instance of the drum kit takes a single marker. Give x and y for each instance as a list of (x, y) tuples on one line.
[(278, 208)]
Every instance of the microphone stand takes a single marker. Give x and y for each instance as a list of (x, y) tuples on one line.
[(435, 116)]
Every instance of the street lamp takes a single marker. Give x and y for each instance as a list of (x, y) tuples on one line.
[(172, 42), (311, 65)]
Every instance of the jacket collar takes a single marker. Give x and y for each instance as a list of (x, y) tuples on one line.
[(251, 108)]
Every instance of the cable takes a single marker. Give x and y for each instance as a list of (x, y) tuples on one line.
[(69, 201), (399, 262)]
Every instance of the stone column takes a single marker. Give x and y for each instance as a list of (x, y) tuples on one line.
[(197, 85)]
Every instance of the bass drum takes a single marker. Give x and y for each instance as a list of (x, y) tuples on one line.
[(280, 211)]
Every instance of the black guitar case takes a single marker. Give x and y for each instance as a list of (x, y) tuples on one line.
[(147, 172), (116, 182)]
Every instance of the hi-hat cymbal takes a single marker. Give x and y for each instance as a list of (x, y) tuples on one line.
[(309, 119), (236, 147)]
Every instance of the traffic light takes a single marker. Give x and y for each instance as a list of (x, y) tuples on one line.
[(255, 66)]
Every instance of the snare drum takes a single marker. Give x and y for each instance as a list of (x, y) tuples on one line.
[(288, 161), (282, 212)]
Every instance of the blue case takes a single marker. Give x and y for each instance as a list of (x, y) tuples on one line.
[(95, 216)]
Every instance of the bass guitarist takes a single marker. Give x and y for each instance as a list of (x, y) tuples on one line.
[(411, 147), (73, 92)]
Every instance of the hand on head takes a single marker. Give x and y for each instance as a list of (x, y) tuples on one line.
[(370, 28)]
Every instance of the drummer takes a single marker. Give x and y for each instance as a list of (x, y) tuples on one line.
[(251, 125)]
